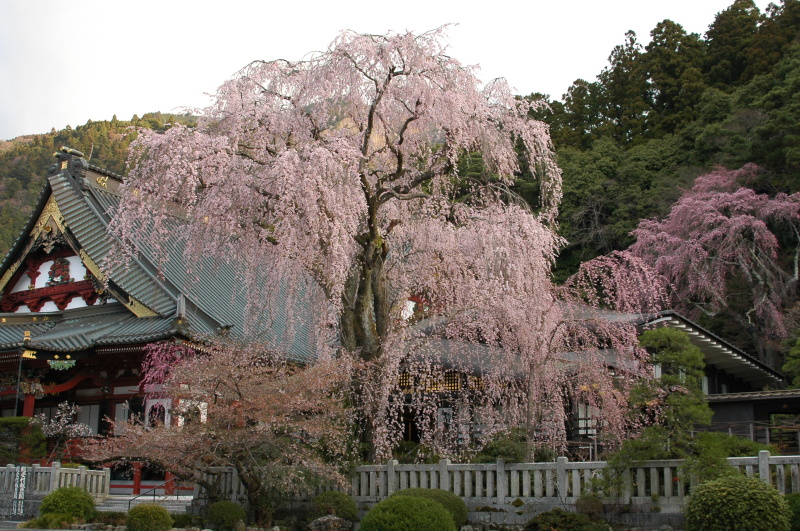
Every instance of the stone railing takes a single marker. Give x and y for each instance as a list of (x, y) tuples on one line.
[(40, 480), (561, 482)]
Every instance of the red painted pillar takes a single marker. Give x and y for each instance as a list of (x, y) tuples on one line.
[(137, 476), (27, 406), (169, 484)]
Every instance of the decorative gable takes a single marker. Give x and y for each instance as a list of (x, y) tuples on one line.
[(49, 274), (58, 278)]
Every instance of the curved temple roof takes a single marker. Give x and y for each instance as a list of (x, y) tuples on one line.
[(80, 200)]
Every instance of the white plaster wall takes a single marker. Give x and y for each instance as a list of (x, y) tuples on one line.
[(77, 271)]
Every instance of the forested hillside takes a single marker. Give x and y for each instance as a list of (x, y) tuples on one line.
[(24, 161), (661, 114), (630, 143)]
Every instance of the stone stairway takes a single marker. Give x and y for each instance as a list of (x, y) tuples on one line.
[(173, 504)]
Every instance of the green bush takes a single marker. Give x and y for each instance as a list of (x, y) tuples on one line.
[(17, 433), (225, 514), (407, 513), (589, 505), (73, 501), (736, 503), (336, 503), (183, 521), (148, 517), (561, 520), (793, 500), (50, 521), (731, 445), (452, 503)]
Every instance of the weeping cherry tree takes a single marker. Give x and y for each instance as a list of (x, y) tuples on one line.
[(341, 170)]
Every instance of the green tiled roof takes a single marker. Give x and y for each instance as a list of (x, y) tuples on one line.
[(208, 300), (82, 332)]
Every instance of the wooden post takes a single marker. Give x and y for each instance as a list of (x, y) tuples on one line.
[(137, 476), (169, 484), (27, 405)]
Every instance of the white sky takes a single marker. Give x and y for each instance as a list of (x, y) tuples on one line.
[(67, 62)]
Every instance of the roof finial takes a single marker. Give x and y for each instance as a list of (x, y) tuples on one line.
[(70, 151)]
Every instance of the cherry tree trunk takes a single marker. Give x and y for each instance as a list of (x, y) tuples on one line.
[(364, 322)]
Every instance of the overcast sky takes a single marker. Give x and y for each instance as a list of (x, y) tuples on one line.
[(63, 63)]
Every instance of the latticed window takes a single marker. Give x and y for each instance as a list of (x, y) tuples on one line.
[(475, 382), (404, 381), (586, 423), (452, 381)]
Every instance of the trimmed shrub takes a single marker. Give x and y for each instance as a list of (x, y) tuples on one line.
[(50, 521), (736, 502), (73, 501), (407, 513), (148, 517), (793, 500), (562, 520), (336, 503), (225, 514), (589, 505), (452, 503)]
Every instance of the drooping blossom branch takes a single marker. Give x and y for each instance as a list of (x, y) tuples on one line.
[(331, 185), (721, 234)]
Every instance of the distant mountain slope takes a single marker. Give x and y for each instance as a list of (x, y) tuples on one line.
[(25, 159)]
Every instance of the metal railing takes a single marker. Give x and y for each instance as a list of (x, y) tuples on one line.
[(154, 490)]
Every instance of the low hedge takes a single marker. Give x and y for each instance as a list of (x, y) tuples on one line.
[(452, 503), (73, 501), (407, 513), (225, 514), (148, 517), (793, 500), (738, 502), (561, 520), (50, 521)]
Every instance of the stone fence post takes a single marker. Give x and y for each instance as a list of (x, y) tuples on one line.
[(391, 478), (561, 477), (501, 481), (55, 472), (444, 474), (763, 466)]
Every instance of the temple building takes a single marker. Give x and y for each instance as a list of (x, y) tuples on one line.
[(75, 327)]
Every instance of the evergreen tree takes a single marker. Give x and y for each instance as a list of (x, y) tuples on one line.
[(673, 61), (729, 39), (624, 93)]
